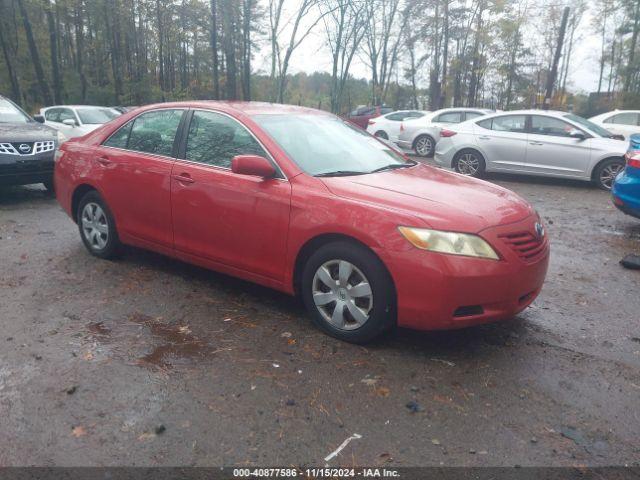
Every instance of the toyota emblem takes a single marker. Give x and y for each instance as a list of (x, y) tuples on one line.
[(539, 230), (24, 148)]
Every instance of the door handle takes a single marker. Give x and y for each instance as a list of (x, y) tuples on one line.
[(104, 161), (183, 178), (536, 143), (484, 137)]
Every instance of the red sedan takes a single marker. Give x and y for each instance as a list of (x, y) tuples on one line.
[(301, 201)]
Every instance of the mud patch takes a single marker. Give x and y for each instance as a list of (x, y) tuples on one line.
[(174, 344)]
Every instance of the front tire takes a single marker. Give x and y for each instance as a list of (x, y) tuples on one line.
[(469, 163), (97, 227), (606, 172), (424, 146), (348, 292)]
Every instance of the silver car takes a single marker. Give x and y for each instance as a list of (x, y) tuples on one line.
[(422, 134), (533, 142)]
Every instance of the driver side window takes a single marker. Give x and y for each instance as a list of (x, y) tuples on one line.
[(214, 139)]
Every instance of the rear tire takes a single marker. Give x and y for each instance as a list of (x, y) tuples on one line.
[(97, 226), (606, 172), (469, 163), (348, 292), (424, 146), (382, 134)]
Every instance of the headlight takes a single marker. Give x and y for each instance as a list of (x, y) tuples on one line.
[(449, 242), (61, 138)]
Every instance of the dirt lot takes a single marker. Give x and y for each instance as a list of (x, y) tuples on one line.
[(148, 361)]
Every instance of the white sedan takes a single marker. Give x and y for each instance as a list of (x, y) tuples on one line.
[(422, 134), (76, 120), (619, 122), (388, 126), (532, 142)]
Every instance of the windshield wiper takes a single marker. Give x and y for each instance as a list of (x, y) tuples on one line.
[(393, 166), (339, 173)]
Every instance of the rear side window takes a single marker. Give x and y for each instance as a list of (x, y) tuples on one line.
[(627, 118), (121, 137), (152, 132), (507, 123), (449, 117), (398, 116), (471, 115), (214, 139)]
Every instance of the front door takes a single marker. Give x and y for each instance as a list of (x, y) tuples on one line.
[(552, 151), (237, 220)]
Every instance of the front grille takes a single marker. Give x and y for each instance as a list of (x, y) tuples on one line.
[(27, 148), (527, 245)]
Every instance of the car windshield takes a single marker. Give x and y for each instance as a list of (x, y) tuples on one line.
[(326, 145), (9, 113), (590, 125), (96, 115)]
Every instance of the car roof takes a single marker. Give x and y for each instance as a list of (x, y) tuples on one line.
[(74, 106), (247, 108)]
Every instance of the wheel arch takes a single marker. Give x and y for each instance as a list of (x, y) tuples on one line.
[(601, 161), (314, 243), (79, 192)]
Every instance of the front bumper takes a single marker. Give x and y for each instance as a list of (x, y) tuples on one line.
[(26, 169), (437, 291), (626, 192)]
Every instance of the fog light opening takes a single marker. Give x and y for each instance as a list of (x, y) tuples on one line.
[(468, 311)]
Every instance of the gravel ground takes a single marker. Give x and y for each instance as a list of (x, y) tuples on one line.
[(149, 361)]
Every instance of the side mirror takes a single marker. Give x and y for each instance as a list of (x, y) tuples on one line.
[(577, 134), (253, 165), (70, 122), (38, 118)]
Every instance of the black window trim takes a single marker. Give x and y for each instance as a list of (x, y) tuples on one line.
[(183, 133), (176, 138)]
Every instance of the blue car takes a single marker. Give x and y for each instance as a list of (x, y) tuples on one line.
[(626, 188)]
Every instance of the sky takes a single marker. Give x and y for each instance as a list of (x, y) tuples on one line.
[(314, 55)]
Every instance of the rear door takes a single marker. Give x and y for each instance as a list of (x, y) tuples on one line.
[(133, 167), (503, 141), (551, 151)]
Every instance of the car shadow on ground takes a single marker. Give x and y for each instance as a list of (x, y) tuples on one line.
[(15, 195)]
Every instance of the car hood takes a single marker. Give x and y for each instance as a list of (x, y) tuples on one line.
[(444, 200), (26, 132)]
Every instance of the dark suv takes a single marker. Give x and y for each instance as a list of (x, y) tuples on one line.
[(27, 148)]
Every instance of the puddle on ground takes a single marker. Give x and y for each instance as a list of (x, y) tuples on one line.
[(156, 344), (175, 344)]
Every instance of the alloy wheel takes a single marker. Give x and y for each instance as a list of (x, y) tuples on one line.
[(342, 294), (95, 226), (424, 146), (468, 164), (609, 174)]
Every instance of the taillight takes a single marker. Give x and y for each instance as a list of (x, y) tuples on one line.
[(401, 127), (447, 133), (633, 159)]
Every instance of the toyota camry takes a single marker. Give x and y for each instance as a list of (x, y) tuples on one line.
[(303, 202)]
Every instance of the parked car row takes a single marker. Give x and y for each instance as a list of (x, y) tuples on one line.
[(28, 145)]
